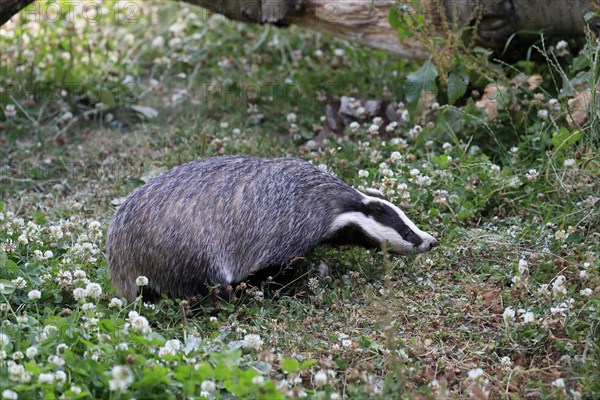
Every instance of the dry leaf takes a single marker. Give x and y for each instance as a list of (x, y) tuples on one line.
[(578, 107), (488, 100)]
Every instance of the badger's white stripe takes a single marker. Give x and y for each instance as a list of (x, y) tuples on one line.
[(424, 236), (373, 192), (374, 229)]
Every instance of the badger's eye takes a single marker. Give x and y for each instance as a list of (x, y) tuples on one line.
[(387, 216)]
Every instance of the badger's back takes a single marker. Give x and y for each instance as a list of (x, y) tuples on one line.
[(217, 220)]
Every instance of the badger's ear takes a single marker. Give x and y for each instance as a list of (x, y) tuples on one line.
[(375, 193)]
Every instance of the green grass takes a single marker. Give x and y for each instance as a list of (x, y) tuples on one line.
[(514, 201)]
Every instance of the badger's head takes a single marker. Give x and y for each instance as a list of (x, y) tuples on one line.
[(374, 221)]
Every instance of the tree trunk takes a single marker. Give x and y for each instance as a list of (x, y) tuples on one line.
[(489, 23)]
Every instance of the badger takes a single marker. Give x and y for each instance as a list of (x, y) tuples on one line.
[(214, 222)]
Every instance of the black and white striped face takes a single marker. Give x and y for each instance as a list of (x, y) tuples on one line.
[(382, 222)]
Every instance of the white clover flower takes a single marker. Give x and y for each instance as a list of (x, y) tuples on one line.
[(414, 172), (122, 378), (447, 147), (363, 173), (509, 314), (387, 172), (165, 351), (56, 360), (75, 389), (171, 347), (252, 341), (79, 275), (422, 180), (122, 346), (334, 396), (4, 340), (31, 352), (8, 394), (528, 317), (523, 267), (19, 282), (175, 43), (17, 355), (339, 52), (586, 292), (93, 290), (115, 303), (558, 286), (560, 234), (495, 168), (506, 363), (559, 383), (373, 129), (258, 380), (561, 45), (46, 378), (475, 374), (23, 239), (208, 386), (34, 295), (10, 111), (396, 156), (61, 348), (60, 377), (559, 310), (543, 114), (391, 127), (569, 163), (80, 294), (139, 324), (354, 126), (320, 378), (141, 281), (291, 118), (17, 373), (553, 104), (583, 274), (346, 342), (532, 175)]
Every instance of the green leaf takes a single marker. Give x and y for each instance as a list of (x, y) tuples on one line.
[(394, 19), (9, 288), (458, 80), (39, 218), (423, 79), (290, 365), (562, 139)]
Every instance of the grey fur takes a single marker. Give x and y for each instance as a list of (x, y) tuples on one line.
[(218, 220)]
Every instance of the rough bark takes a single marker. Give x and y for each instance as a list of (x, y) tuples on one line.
[(365, 22)]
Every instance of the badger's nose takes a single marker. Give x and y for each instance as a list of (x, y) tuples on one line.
[(433, 243)]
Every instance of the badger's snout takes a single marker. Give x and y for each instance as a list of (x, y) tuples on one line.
[(429, 242)]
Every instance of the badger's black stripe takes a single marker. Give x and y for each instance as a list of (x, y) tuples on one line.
[(387, 216), (352, 235)]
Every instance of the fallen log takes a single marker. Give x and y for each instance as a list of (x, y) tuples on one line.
[(489, 23)]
